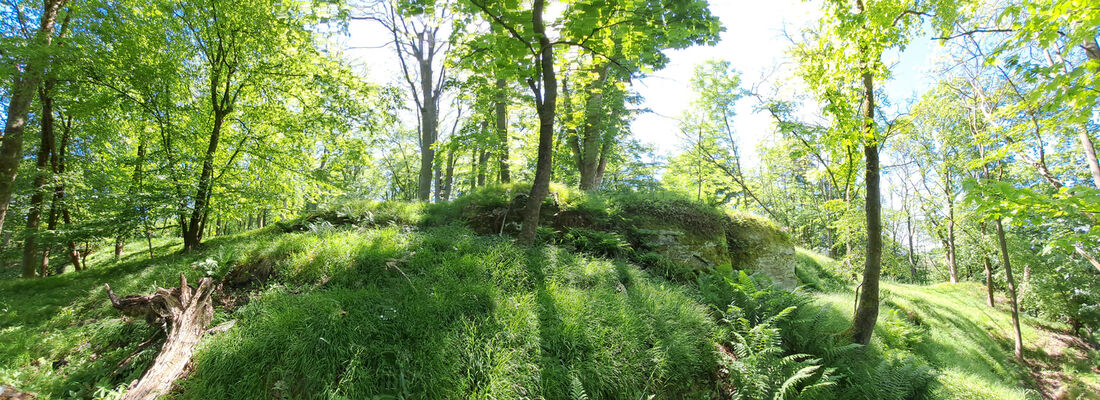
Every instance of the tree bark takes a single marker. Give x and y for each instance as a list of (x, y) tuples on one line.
[(449, 175), (546, 104), (186, 312), (429, 112), (951, 249), (482, 166), (866, 313), (501, 112), (31, 261), (23, 90), (589, 144), (59, 192), (987, 265), (193, 234), (1092, 49), (1011, 281)]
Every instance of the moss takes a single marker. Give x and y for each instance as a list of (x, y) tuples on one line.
[(748, 237)]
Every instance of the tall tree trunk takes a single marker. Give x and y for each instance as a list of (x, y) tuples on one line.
[(31, 261), (951, 249), (438, 182), (546, 101), (23, 90), (502, 130), (193, 235), (429, 120), (449, 175), (589, 144), (863, 322), (909, 233), (1090, 154), (1092, 49), (988, 266), (59, 192), (482, 166), (1011, 281)]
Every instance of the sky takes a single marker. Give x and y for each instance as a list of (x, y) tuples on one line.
[(753, 42)]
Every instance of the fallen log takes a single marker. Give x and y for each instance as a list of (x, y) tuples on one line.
[(184, 313), (10, 393)]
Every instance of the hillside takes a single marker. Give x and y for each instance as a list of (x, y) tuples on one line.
[(395, 300)]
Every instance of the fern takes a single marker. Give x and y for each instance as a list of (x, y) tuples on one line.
[(577, 389)]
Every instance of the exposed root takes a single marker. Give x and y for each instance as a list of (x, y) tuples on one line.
[(185, 313)]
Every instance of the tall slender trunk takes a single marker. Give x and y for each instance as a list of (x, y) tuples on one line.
[(502, 130), (589, 144), (193, 235), (951, 249), (438, 182), (449, 175), (482, 166), (546, 104), (429, 121), (909, 233), (31, 261), (988, 266), (59, 192), (23, 90), (1011, 281), (1092, 49), (866, 313)]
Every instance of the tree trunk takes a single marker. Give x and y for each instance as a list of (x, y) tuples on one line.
[(1092, 49), (909, 231), (546, 104), (948, 192), (428, 122), (589, 145), (988, 266), (59, 194), (502, 130), (1011, 291), (863, 322), (23, 90), (186, 312), (1090, 155), (31, 261), (449, 175), (482, 167), (193, 235)]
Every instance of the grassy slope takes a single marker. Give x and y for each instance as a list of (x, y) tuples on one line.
[(443, 313), (951, 328), (460, 316)]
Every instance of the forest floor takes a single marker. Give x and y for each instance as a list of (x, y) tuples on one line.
[(354, 313), (951, 327)]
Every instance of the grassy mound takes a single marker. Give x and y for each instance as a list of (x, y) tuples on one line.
[(398, 300), (355, 313), (660, 230)]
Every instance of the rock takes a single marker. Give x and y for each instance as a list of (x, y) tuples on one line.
[(685, 248), (758, 245)]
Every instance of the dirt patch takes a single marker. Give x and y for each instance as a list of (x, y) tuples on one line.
[(1046, 363)]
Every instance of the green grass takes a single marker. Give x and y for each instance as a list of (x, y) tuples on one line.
[(403, 305), (463, 316), (969, 345)]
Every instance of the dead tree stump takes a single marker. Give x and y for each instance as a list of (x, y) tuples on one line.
[(185, 313)]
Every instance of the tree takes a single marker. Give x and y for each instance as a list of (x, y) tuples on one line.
[(35, 60), (858, 34), (419, 39)]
